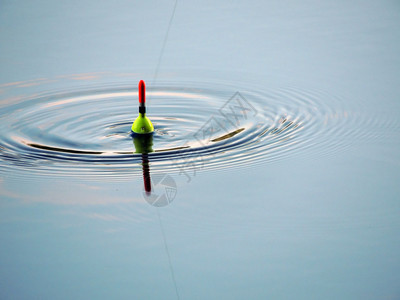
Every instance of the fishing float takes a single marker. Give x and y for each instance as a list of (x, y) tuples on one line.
[(143, 129)]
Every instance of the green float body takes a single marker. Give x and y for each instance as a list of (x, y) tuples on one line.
[(142, 125)]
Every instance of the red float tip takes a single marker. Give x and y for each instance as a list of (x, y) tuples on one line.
[(142, 92)]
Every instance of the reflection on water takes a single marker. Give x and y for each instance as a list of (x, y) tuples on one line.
[(144, 145)]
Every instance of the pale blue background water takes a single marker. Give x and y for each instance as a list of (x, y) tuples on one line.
[(324, 227)]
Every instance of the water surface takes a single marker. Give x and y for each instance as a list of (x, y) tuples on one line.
[(277, 142)]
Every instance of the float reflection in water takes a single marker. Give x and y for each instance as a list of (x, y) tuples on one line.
[(144, 144)]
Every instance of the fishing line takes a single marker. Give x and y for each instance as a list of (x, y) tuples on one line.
[(169, 257), (164, 43), (158, 213)]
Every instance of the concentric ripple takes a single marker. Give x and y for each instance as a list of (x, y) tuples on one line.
[(87, 132)]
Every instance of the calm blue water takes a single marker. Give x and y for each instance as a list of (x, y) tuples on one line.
[(274, 163)]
